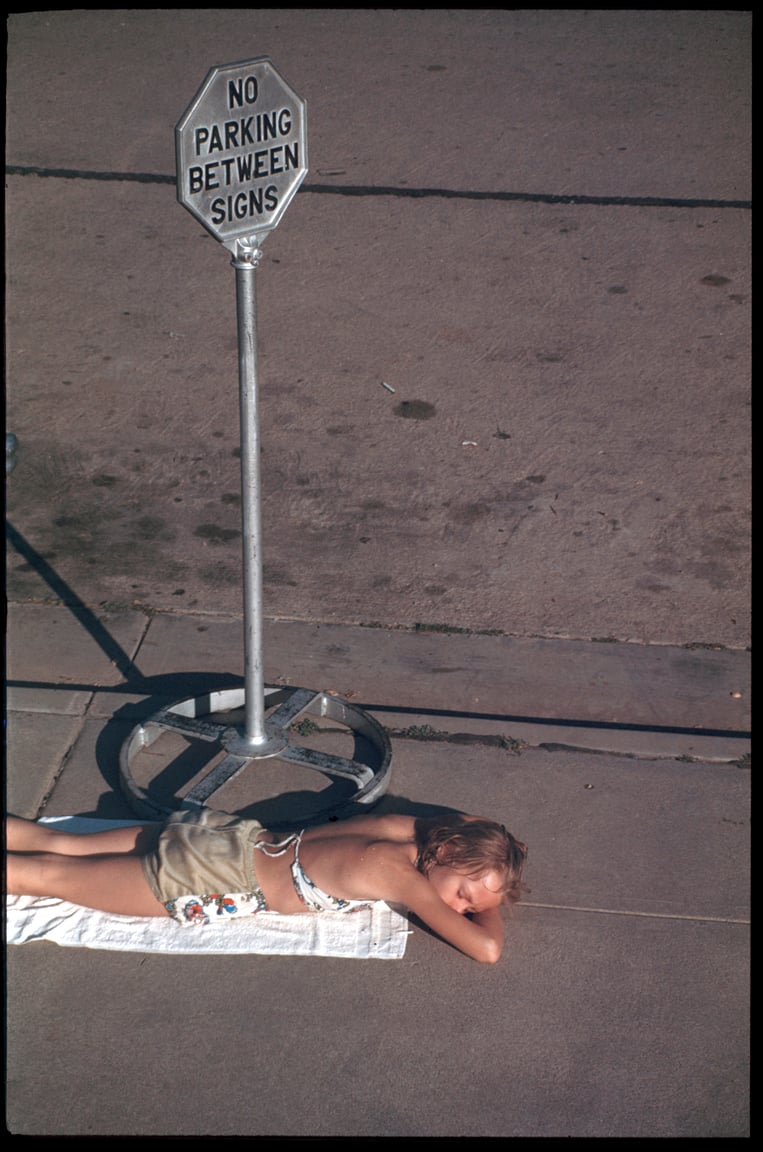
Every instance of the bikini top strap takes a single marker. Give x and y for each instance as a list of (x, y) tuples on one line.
[(280, 847)]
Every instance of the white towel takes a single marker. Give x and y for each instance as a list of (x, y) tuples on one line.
[(379, 932)]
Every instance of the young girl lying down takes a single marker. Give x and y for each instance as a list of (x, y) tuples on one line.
[(453, 872)]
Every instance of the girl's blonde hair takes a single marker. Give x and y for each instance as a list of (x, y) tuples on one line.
[(473, 846)]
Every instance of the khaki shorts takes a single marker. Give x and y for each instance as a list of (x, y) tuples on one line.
[(203, 852)]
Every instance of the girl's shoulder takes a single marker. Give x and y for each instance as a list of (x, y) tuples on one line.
[(393, 827), (373, 827)]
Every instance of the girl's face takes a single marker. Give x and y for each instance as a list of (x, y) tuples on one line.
[(465, 893)]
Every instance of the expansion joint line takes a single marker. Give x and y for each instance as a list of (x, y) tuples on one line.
[(379, 190)]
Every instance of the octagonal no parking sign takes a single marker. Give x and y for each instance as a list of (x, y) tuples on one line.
[(241, 150)]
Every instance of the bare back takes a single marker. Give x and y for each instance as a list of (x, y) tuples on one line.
[(358, 859)]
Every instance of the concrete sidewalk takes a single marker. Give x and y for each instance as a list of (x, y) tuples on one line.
[(626, 962), (530, 563)]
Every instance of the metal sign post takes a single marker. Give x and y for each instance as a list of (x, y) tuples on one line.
[(255, 733), (241, 155)]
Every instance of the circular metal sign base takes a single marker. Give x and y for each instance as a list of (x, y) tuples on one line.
[(208, 742)]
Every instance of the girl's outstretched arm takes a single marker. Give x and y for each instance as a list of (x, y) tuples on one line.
[(491, 922), (479, 934)]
